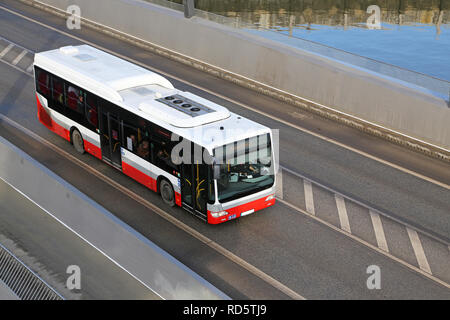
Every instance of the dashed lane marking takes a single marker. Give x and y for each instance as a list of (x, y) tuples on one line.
[(379, 231), (30, 68), (6, 50), (367, 244), (19, 57), (309, 198), (342, 211), (418, 250), (279, 185)]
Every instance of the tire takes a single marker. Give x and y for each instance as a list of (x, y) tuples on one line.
[(167, 193), (77, 141)]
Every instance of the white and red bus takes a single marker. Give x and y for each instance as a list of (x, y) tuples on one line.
[(197, 154)]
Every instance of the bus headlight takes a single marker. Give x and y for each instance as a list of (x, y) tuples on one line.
[(270, 197), (219, 214)]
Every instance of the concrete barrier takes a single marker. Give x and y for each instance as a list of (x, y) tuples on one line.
[(379, 105), (145, 261)]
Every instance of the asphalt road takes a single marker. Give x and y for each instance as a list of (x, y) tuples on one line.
[(383, 187), (308, 257)]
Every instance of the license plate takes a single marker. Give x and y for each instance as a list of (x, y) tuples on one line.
[(247, 212), (231, 217)]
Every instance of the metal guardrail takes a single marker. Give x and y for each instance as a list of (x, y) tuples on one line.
[(25, 284)]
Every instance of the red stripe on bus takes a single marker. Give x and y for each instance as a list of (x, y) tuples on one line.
[(139, 176), (256, 205), (47, 121), (93, 149), (146, 180)]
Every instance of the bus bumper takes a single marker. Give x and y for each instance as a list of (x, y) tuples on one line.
[(243, 209)]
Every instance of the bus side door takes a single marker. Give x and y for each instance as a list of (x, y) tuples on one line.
[(110, 133), (194, 190)]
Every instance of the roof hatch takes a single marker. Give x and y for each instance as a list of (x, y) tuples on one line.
[(185, 105), (181, 110)]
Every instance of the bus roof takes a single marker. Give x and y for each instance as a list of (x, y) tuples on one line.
[(148, 95)]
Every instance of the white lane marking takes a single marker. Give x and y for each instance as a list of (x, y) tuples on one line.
[(393, 218), (19, 57), (30, 68), (342, 211), (16, 67), (379, 231), (309, 198), (418, 250), (279, 186), (221, 250), (6, 50), (367, 244), (271, 116)]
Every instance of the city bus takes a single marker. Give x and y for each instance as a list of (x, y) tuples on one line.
[(195, 153)]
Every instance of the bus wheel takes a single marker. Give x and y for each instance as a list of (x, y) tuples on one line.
[(77, 141), (167, 193)]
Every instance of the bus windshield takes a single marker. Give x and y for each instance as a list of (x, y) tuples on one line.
[(245, 168)]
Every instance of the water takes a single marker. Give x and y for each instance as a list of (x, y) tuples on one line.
[(412, 42), (419, 47)]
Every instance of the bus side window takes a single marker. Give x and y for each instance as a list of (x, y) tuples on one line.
[(131, 138), (91, 110), (42, 82), (75, 98), (58, 90), (163, 156)]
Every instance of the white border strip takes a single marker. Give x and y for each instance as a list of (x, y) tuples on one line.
[(379, 231), (6, 50), (342, 211), (309, 198), (19, 57), (418, 250), (367, 244)]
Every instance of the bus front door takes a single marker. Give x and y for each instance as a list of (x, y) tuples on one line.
[(194, 189), (110, 139)]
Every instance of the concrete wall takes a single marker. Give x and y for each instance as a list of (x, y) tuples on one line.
[(294, 75), (155, 268)]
